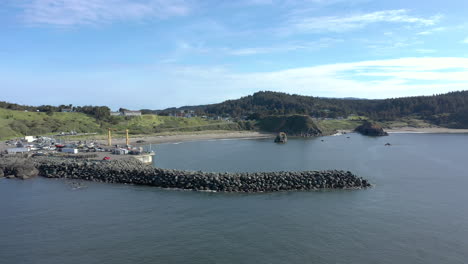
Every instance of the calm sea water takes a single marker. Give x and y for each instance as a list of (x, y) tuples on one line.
[(416, 213)]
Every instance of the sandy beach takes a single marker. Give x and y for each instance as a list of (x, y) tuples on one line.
[(427, 130), (160, 139)]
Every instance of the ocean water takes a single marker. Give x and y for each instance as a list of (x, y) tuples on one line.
[(415, 213)]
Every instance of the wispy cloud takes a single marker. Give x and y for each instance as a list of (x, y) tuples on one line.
[(184, 49), (76, 12), (290, 2), (425, 51), (465, 41), (352, 22), (370, 79), (314, 45), (431, 31), (259, 2), (212, 84)]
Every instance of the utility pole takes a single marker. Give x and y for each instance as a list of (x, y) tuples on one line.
[(109, 137), (127, 139)]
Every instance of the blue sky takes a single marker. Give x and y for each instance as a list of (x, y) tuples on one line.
[(161, 53)]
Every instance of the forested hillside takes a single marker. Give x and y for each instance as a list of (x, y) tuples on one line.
[(449, 109)]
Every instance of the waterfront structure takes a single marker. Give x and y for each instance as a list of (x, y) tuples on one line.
[(17, 150), (120, 151), (70, 150), (131, 113)]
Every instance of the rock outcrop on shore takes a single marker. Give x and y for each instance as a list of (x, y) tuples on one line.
[(134, 172), (293, 125), (371, 129), (16, 167)]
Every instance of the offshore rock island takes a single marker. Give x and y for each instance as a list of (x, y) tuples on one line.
[(135, 172)]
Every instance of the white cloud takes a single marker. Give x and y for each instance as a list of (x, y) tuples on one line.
[(291, 2), (259, 2), (75, 12), (185, 48), (314, 45), (369, 79), (465, 41), (431, 31), (201, 85), (425, 51), (352, 22)]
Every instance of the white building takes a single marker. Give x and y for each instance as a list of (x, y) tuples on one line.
[(29, 139), (126, 113), (132, 113)]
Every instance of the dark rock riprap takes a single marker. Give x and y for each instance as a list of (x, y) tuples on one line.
[(17, 167), (134, 172)]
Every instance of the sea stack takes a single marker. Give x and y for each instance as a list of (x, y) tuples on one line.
[(281, 138), (371, 129)]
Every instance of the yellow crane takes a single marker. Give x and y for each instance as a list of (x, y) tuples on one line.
[(109, 137)]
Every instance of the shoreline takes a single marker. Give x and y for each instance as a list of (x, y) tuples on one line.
[(426, 130), (163, 139), (414, 130), (219, 135)]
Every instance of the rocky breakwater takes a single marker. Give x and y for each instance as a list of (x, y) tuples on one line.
[(134, 172)]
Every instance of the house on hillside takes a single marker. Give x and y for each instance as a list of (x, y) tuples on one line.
[(131, 113), (126, 113)]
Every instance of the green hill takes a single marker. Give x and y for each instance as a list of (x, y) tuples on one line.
[(19, 123), (266, 111), (15, 123)]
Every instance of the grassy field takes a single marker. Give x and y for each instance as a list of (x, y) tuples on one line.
[(411, 121), (330, 126), (18, 123), (147, 124)]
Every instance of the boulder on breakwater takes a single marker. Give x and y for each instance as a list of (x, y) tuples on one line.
[(17, 167), (134, 172)]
